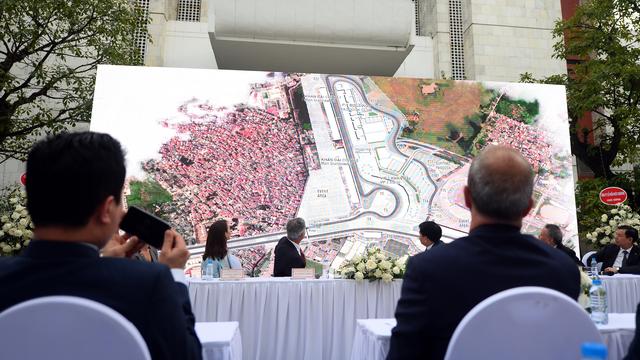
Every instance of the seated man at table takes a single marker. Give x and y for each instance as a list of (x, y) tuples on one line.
[(552, 236), (442, 285), (288, 254), (74, 196), (430, 234), (623, 256)]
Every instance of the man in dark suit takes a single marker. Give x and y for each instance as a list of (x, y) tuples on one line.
[(552, 236), (288, 254), (74, 191), (623, 256), (442, 285), (430, 234)]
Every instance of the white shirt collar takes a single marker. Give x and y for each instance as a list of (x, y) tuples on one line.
[(430, 246), (297, 246)]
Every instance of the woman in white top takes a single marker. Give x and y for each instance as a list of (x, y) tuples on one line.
[(216, 248)]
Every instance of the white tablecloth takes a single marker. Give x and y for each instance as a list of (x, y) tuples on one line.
[(282, 318), (623, 292), (618, 334), (372, 336), (220, 340)]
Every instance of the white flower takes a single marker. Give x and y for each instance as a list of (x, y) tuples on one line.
[(402, 261), (380, 256), (372, 250), (351, 269), (377, 273), (356, 259), (386, 277), (14, 200), (6, 227), (23, 222), (371, 265), (16, 215), (385, 265), (26, 242), (623, 213), (17, 247), (361, 267), (396, 270), (4, 218), (24, 212), (604, 218), (19, 207), (603, 241), (584, 300), (6, 249), (612, 222), (17, 232), (358, 276), (614, 211)]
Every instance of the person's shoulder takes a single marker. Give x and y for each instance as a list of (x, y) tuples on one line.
[(134, 267), (439, 256), (282, 241)]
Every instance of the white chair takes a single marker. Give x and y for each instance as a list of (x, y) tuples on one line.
[(70, 328), (523, 323), (586, 256)]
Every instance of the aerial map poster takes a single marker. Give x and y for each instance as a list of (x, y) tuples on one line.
[(362, 159)]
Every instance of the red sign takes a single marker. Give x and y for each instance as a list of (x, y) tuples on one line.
[(613, 195), (23, 179)]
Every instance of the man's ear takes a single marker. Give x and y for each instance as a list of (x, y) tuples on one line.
[(467, 197), (105, 210), (528, 209)]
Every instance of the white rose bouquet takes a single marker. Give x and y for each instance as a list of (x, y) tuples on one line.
[(618, 215), (17, 228), (585, 285), (374, 265)]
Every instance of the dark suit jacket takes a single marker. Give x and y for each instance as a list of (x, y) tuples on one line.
[(286, 258), (607, 256), (441, 285), (436, 243), (144, 293), (634, 348), (570, 253)]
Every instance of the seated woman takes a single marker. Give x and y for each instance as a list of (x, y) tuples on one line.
[(216, 248)]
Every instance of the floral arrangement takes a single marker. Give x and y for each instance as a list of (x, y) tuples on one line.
[(619, 215), (374, 265), (17, 228), (585, 285)]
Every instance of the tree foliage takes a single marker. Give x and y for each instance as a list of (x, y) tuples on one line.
[(49, 52), (601, 42)]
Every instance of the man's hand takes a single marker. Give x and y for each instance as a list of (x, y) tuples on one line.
[(122, 246), (611, 270), (174, 251)]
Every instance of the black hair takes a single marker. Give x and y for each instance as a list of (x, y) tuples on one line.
[(555, 233), (216, 247), (431, 230), (70, 174)]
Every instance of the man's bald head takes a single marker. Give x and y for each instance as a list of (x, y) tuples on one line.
[(500, 184)]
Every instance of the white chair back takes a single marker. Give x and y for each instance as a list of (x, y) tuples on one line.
[(70, 328), (585, 257), (523, 323)]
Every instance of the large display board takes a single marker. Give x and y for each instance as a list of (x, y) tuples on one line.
[(363, 159)]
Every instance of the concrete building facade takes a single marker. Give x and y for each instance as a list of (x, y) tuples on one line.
[(456, 39)]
